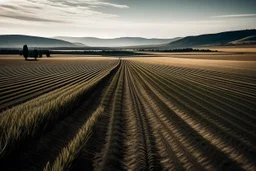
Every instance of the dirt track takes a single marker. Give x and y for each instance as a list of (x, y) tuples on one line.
[(129, 114)]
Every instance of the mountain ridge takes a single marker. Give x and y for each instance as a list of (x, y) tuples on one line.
[(18, 40), (237, 37), (215, 39), (116, 42)]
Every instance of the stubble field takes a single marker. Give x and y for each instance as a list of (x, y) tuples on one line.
[(164, 112)]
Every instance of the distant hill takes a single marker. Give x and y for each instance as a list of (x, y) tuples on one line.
[(17, 41), (245, 41), (79, 44), (217, 39), (116, 42)]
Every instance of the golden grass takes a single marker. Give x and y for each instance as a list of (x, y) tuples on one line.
[(69, 153)]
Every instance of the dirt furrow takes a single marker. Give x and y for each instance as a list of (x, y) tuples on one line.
[(141, 153), (190, 101), (111, 157), (188, 77), (91, 153), (37, 117), (45, 147), (178, 144), (27, 94), (241, 156)]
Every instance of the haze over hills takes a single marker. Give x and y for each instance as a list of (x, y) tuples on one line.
[(245, 41), (242, 37), (219, 39), (17, 41), (117, 42)]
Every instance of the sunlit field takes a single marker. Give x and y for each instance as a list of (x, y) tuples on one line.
[(158, 111)]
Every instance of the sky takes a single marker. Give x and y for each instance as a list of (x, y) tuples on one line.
[(125, 18)]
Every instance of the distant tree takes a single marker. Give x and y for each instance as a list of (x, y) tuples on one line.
[(48, 53), (35, 54), (25, 51), (40, 54)]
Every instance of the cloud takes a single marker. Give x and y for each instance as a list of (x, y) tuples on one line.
[(57, 11), (9, 7), (235, 16), (27, 18), (86, 3)]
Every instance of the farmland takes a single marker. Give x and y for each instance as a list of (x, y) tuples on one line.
[(157, 112)]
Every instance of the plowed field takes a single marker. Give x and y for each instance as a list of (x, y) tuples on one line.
[(142, 113)]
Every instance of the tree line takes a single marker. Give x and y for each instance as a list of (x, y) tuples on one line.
[(178, 50), (26, 52), (34, 53), (97, 52)]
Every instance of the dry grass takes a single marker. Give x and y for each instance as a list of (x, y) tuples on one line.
[(69, 153), (240, 48)]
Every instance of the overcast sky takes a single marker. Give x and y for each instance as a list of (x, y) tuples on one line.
[(125, 18)]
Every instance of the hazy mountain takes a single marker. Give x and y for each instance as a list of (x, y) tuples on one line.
[(17, 41), (116, 42), (223, 38), (245, 41), (79, 44)]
